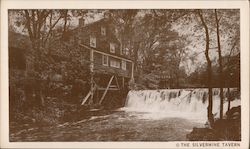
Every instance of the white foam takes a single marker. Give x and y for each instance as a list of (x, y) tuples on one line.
[(185, 103)]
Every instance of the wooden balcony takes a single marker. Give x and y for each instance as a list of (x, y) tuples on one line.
[(111, 70)]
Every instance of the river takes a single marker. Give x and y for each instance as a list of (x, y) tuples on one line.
[(156, 115), (118, 126)]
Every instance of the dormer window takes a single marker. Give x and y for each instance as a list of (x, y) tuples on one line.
[(92, 42), (112, 47), (103, 31)]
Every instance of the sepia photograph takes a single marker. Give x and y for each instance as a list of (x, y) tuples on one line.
[(126, 75)]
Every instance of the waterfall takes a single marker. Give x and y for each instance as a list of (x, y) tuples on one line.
[(185, 103)]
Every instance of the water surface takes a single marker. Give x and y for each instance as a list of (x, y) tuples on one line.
[(119, 126)]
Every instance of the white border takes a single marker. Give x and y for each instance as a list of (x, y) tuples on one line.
[(70, 4)]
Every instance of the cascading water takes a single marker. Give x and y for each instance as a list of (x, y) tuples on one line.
[(185, 103)]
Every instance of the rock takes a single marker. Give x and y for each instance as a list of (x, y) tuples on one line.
[(202, 134), (234, 113), (230, 128)]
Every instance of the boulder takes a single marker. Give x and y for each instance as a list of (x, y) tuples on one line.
[(202, 134), (228, 129)]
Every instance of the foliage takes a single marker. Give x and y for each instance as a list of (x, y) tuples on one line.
[(162, 44)]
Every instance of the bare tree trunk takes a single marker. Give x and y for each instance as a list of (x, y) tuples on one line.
[(209, 72), (65, 21), (228, 99), (220, 65)]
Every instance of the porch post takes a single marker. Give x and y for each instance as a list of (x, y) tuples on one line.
[(91, 76), (132, 71)]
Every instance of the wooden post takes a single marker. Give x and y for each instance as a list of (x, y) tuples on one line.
[(91, 76), (132, 71), (117, 83), (105, 92), (123, 82)]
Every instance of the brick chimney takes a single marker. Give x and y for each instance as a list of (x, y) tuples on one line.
[(81, 22)]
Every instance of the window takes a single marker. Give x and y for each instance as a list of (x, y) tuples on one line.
[(126, 51), (92, 41), (121, 51), (104, 60), (123, 65), (115, 63), (112, 47), (103, 31)]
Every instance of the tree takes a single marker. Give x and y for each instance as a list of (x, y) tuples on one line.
[(40, 24), (160, 48), (43, 27), (147, 33), (124, 22), (220, 63), (232, 66), (209, 69), (230, 32)]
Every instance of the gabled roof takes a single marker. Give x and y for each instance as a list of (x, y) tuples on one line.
[(88, 25), (103, 20)]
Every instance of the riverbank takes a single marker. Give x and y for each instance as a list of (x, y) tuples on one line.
[(227, 129), (53, 113)]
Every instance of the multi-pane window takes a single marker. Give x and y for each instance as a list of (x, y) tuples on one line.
[(115, 63), (126, 51), (104, 60), (92, 41), (112, 47), (103, 31), (124, 66)]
